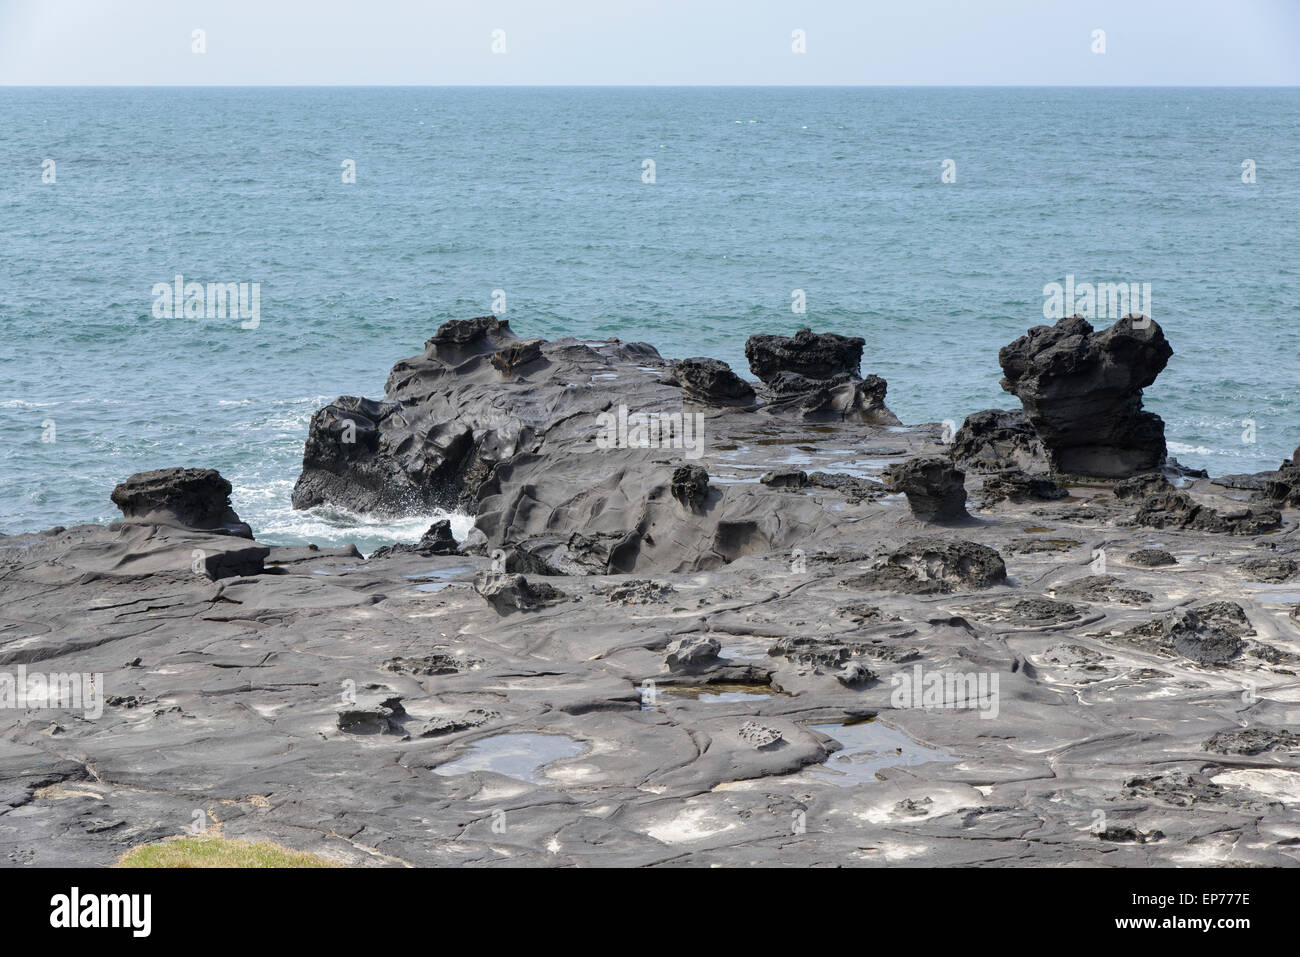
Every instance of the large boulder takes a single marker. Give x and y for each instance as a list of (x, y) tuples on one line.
[(180, 497), (935, 488), (1082, 393)]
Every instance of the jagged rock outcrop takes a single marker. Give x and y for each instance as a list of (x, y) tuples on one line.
[(1177, 509), (180, 497), (996, 440), (438, 540), (710, 382), (1082, 393), (817, 376), (935, 488), (691, 485), (507, 593)]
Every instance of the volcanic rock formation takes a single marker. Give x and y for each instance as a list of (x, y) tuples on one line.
[(1082, 393)]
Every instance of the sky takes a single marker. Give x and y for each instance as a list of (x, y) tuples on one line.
[(650, 42)]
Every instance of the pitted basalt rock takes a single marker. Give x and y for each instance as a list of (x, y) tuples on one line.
[(759, 736), (1082, 393), (710, 382), (998, 440), (691, 485), (1177, 509), (185, 498), (1252, 741), (1209, 634), (1151, 558), (1013, 485), (935, 566), (1103, 588), (935, 488), (1274, 570), (507, 593)]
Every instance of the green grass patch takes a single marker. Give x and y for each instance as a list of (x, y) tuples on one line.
[(218, 852)]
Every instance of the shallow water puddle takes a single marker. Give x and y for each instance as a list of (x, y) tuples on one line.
[(722, 692), (869, 746), (519, 756), (441, 573)]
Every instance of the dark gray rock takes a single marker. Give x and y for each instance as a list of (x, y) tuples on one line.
[(1013, 485), (935, 488), (691, 653), (997, 440), (185, 498), (935, 566), (812, 355), (691, 485), (1209, 634), (1082, 393), (507, 593), (1252, 741), (710, 382), (1177, 509), (1151, 558)]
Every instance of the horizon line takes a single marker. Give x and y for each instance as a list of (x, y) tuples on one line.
[(652, 86)]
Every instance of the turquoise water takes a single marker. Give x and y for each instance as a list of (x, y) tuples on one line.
[(539, 192)]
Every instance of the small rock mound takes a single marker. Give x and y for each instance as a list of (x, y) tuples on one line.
[(1177, 509), (1151, 558), (507, 593), (1209, 634), (935, 566), (1251, 741), (710, 382), (1017, 487)]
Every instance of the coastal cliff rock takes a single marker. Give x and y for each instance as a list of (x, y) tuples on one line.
[(1082, 393)]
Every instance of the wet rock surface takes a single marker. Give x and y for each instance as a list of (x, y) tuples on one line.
[(623, 679)]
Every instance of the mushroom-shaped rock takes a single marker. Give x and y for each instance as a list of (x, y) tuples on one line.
[(1082, 393), (813, 355), (185, 498), (935, 488)]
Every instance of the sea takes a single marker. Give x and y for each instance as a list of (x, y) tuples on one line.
[(930, 221)]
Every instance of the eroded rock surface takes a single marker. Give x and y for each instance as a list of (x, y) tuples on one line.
[(634, 680)]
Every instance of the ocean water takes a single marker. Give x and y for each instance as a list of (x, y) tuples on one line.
[(539, 192)]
